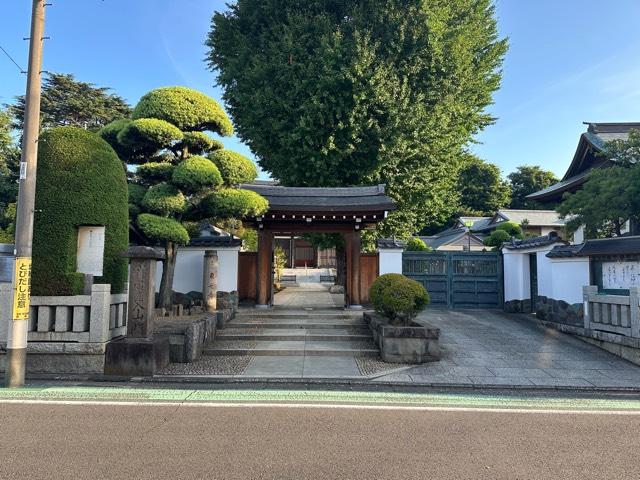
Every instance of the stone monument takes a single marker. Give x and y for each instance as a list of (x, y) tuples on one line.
[(210, 281), (139, 353)]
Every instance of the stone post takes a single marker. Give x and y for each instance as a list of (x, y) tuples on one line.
[(99, 313), (586, 292), (210, 281), (634, 311), (142, 290)]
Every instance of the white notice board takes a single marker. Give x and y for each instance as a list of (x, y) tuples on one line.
[(620, 275), (90, 255)]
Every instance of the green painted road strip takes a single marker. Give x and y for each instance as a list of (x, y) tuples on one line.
[(133, 395)]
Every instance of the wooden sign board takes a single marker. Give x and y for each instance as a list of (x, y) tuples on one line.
[(90, 256)]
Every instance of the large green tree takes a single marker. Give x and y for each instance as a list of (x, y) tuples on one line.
[(182, 175), (338, 93), (528, 179), (69, 102), (9, 167), (481, 187), (611, 196)]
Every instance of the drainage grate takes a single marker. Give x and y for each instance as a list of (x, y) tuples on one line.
[(327, 278)]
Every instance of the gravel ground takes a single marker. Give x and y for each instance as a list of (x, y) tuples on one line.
[(210, 365), (375, 365), (233, 344), (363, 344)]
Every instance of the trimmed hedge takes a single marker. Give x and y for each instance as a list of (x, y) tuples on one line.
[(81, 181), (195, 173), (199, 143), (232, 203), (164, 199), (235, 168), (397, 297), (148, 135), (417, 245), (162, 229), (185, 108), (154, 172)]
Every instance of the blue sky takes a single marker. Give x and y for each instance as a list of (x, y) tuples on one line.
[(569, 61)]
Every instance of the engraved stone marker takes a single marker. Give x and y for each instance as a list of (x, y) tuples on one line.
[(210, 281), (142, 290)]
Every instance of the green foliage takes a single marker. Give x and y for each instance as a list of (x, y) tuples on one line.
[(81, 181), (324, 241), (497, 238), (195, 173), (187, 109), (249, 238), (68, 102), (162, 229), (605, 202), (110, 132), (164, 199), (417, 245), (155, 172), (233, 203), (8, 220), (199, 143), (9, 167), (235, 168), (147, 135), (366, 92), (482, 190), (279, 263), (512, 228), (526, 180), (397, 297)]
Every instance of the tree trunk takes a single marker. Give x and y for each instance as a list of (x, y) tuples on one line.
[(168, 270), (341, 266)]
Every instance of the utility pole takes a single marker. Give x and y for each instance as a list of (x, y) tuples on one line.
[(18, 327)]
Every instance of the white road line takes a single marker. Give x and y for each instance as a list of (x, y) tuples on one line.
[(318, 406)]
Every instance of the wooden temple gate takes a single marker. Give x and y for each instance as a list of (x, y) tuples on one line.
[(298, 210)]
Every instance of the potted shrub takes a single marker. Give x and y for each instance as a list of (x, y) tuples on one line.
[(397, 301)]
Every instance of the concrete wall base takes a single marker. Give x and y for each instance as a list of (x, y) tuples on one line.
[(414, 344), (136, 356), (624, 347)]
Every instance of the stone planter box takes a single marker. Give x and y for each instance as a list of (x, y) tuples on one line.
[(417, 343)]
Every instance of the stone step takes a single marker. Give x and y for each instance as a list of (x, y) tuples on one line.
[(308, 347), (297, 315), (297, 325), (293, 334)]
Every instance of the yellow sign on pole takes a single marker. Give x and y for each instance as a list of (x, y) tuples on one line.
[(22, 288)]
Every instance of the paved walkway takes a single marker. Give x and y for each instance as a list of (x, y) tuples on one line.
[(308, 295), (483, 347)]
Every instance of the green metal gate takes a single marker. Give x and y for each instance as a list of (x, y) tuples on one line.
[(458, 279)]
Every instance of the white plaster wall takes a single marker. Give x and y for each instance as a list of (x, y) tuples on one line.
[(516, 276), (578, 235), (545, 276), (390, 260), (569, 276), (189, 270)]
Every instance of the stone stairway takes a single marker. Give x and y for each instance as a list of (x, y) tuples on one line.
[(300, 332)]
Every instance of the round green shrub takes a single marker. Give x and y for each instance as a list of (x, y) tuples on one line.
[(398, 298), (497, 238), (512, 228), (154, 172), (162, 229), (199, 143), (81, 182), (196, 172), (232, 203), (235, 168), (147, 135), (164, 199), (187, 109), (110, 132), (417, 245)]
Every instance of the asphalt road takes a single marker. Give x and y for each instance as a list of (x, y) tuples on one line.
[(105, 441)]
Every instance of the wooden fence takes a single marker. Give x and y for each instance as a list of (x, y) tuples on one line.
[(612, 313)]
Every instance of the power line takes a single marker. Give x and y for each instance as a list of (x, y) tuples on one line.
[(14, 62)]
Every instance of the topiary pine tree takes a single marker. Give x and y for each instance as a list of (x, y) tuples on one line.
[(183, 176)]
